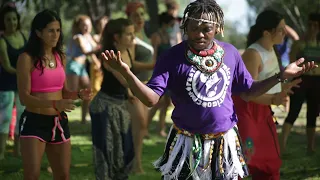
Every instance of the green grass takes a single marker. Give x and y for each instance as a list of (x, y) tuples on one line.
[(296, 165)]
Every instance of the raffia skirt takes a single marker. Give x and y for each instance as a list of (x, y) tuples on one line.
[(202, 157)]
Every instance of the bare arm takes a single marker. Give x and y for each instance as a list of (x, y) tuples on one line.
[(5, 62), (292, 33), (179, 37), (259, 87), (295, 48), (252, 60), (24, 67), (155, 42), (66, 93), (140, 66), (146, 95), (95, 61), (80, 42)]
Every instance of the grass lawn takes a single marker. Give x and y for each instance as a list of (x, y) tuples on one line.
[(296, 165)]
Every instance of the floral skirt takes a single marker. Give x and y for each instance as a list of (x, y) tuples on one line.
[(111, 137)]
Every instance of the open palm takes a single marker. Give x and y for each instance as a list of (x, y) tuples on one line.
[(297, 68), (114, 60)]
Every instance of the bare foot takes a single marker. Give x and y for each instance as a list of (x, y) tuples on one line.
[(138, 171), (162, 133), (49, 170)]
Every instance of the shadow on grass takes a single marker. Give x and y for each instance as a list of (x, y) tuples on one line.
[(296, 164)]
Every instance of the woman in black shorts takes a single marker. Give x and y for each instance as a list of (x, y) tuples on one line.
[(42, 89)]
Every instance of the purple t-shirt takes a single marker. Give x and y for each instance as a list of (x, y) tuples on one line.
[(202, 104)]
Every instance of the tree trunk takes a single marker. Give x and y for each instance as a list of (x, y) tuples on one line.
[(58, 6), (152, 6)]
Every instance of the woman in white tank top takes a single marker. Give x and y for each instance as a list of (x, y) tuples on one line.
[(256, 123)]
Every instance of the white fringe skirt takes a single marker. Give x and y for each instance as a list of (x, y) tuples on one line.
[(202, 157)]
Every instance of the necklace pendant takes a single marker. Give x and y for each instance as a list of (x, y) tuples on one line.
[(209, 63), (51, 64)]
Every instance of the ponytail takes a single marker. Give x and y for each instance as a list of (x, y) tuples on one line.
[(254, 35)]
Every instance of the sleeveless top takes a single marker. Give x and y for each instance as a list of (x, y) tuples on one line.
[(8, 81), (110, 84), (144, 53), (50, 80), (74, 49), (270, 65), (311, 52)]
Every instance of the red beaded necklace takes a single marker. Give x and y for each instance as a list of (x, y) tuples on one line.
[(204, 53)]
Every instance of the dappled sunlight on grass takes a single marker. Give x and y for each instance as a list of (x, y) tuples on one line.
[(296, 165)]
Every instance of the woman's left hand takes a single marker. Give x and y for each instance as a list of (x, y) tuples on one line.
[(85, 94)]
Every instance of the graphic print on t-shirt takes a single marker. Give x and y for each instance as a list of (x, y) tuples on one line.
[(208, 90)]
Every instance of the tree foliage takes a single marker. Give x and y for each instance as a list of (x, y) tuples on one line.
[(295, 11)]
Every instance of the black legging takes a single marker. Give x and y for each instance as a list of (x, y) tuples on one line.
[(310, 91)]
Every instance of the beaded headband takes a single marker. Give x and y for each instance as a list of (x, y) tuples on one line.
[(203, 21), (206, 21)]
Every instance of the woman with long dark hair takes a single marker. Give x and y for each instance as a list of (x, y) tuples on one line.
[(42, 89), (111, 126), (256, 122)]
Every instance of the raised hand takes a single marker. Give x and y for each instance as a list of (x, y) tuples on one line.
[(294, 70), (114, 60)]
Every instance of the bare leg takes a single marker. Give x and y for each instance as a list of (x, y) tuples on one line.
[(139, 128), (151, 114), (311, 135), (32, 151), (85, 83), (19, 110), (59, 156), (162, 116), (286, 129)]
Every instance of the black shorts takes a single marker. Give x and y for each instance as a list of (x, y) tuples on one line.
[(46, 128)]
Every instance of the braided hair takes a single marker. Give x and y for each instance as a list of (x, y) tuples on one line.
[(199, 7)]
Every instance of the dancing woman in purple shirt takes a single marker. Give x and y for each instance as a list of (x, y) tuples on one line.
[(202, 73)]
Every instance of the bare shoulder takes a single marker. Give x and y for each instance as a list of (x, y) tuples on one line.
[(63, 58), (25, 33), (251, 54), (155, 38), (3, 44), (24, 60)]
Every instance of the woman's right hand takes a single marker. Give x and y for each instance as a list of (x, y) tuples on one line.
[(114, 61), (66, 105), (280, 98)]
